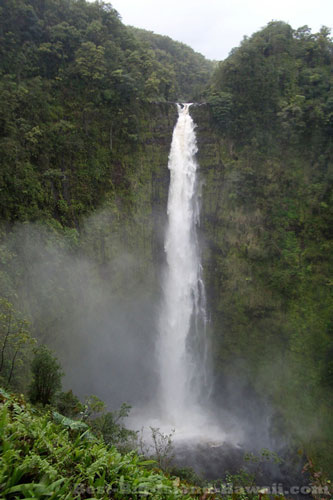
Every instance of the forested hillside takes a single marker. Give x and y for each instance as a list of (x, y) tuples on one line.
[(76, 88), (86, 118), (268, 218), (191, 71)]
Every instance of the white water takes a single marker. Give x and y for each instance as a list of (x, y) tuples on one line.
[(182, 344), (182, 351)]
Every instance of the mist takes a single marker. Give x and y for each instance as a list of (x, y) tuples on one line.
[(100, 318), (100, 315)]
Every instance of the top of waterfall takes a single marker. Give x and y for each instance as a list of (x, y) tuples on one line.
[(180, 103), (184, 106), (188, 104)]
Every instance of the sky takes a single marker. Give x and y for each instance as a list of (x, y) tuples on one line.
[(214, 27)]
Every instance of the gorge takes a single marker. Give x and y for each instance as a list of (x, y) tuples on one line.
[(86, 127)]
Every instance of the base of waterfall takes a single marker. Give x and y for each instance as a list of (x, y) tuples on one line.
[(214, 463), (186, 427), (214, 447), (212, 453)]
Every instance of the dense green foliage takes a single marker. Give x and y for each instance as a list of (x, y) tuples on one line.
[(15, 345), (83, 127), (189, 71), (275, 90), (268, 217), (46, 376), (75, 85), (45, 459)]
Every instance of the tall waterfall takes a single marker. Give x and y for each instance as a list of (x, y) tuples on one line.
[(182, 341)]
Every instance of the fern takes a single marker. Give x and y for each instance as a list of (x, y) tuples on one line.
[(47, 458)]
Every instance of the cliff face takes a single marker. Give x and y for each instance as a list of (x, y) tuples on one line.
[(265, 271)]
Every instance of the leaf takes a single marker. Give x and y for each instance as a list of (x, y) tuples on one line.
[(147, 462)]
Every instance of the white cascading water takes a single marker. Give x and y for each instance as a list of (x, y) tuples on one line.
[(182, 343), (182, 353)]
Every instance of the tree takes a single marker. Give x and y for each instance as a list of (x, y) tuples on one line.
[(15, 340), (109, 424), (47, 376), (68, 404)]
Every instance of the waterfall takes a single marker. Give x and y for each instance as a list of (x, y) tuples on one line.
[(182, 344), (182, 355)]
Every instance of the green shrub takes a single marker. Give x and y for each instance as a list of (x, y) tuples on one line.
[(47, 376)]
